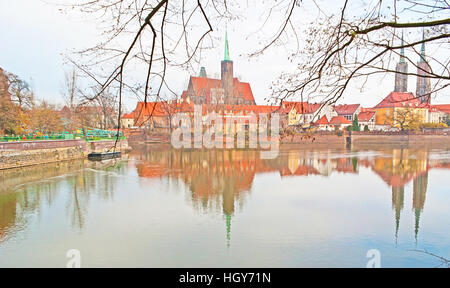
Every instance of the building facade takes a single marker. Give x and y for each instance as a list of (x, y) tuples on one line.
[(228, 90)]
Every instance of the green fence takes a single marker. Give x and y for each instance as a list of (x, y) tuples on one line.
[(89, 135)]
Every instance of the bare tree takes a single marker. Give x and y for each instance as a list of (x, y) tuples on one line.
[(339, 48), (21, 92), (354, 46), (70, 89)]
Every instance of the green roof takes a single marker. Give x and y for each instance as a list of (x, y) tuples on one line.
[(227, 52)]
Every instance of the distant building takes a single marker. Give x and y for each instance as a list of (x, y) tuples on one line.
[(366, 118), (340, 122), (400, 110), (423, 88), (305, 113), (349, 111), (401, 77), (128, 120), (323, 124), (442, 111), (227, 90)]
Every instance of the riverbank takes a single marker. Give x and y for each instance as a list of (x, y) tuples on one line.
[(335, 140), (28, 153)]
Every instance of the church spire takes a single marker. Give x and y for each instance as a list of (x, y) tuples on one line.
[(227, 52), (401, 75), (402, 51), (422, 50)]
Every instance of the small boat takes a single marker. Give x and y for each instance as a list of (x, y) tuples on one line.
[(99, 156)]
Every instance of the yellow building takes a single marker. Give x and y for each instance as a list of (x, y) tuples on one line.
[(400, 110)]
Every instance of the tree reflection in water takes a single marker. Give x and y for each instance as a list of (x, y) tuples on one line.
[(218, 181), (40, 185)]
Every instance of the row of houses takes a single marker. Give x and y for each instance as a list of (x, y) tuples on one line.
[(399, 110), (396, 111)]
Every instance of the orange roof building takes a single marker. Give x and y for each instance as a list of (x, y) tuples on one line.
[(400, 99), (226, 90), (340, 120), (349, 111)]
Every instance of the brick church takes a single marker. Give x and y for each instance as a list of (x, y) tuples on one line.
[(227, 90), (423, 85)]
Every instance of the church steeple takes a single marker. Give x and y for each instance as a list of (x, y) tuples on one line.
[(422, 50), (402, 51), (423, 86), (227, 51), (227, 75), (401, 77)]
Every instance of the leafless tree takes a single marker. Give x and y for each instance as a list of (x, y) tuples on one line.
[(21, 92), (444, 262), (70, 89), (353, 46), (338, 49)]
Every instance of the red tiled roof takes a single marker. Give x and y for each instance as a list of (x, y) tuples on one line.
[(128, 116), (346, 109), (442, 107), (204, 85), (243, 90), (305, 107), (367, 109), (400, 99), (322, 121), (365, 116), (339, 120)]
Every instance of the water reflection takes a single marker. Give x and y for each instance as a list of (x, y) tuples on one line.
[(39, 187), (216, 182), (225, 176)]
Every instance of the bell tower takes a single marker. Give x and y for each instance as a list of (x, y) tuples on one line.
[(423, 87), (401, 77), (227, 74)]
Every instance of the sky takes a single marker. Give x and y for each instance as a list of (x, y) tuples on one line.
[(36, 36)]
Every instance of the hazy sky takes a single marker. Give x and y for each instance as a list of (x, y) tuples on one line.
[(35, 36)]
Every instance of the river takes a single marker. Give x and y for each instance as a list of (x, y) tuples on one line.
[(161, 207)]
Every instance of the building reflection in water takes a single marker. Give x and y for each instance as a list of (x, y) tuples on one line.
[(224, 177), (218, 181)]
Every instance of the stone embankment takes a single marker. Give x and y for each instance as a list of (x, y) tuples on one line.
[(28, 153)]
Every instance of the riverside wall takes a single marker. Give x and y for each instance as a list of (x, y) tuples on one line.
[(29, 153), (356, 140)]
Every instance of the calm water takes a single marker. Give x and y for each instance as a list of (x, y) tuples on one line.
[(169, 208)]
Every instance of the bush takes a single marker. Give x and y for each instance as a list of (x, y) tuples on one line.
[(433, 125), (366, 128)]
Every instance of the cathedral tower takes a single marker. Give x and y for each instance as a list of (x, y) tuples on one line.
[(423, 88), (401, 77), (227, 74)]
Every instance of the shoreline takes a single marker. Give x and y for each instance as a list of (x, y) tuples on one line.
[(31, 153)]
